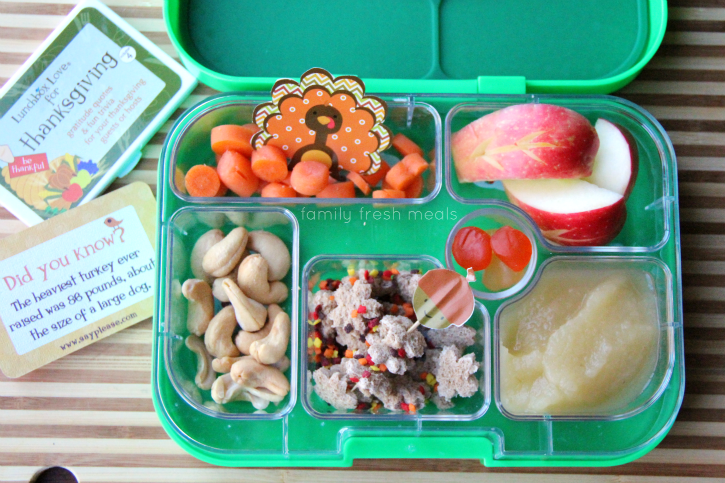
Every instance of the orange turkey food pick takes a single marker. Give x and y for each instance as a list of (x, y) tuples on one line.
[(324, 119), (443, 298)]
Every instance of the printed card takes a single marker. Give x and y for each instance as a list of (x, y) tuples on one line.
[(77, 278)]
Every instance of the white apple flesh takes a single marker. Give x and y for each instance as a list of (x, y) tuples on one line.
[(617, 161), (570, 212)]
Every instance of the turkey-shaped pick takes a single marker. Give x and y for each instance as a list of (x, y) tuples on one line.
[(324, 119), (589, 211)]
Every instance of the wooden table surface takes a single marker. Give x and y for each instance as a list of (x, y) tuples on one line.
[(91, 411)]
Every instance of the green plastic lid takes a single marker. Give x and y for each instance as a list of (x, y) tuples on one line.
[(434, 46)]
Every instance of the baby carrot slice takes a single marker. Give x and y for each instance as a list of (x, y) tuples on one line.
[(202, 180), (235, 171), (309, 177), (415, 164), (230, 137), (405, 146), (345, 189), (374, 179), (389, 193), (399, 177), (415, 189), (251, 127), (278, 190), (222, 189), (288, 179), (359, 181), (269, 163)]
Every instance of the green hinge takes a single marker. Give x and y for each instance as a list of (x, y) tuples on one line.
[(482, 85), (502, 85)]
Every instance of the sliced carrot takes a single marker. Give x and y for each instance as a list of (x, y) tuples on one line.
[(235, 171), (374, 179), (309, 177), (405, 146), (389, 193), (404, 173), (345, 189), (288, 179), (230, 137), (261, 186), (278, 190), (413, 191), (202, 180), (251, 127), (269, 163), (222, 189), (415, 164), (359, 181)]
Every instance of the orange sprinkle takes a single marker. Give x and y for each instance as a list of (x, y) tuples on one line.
[(323, 285), (411, 409), (318, 358), (363, 361), (394, 271), (332, 297), (354, 313), (435, 388), (424, 375), (382, 367), (408, 309), (328, 353), (394, 309), (352, 280), (367, 343), (349, 354), (318, 350)]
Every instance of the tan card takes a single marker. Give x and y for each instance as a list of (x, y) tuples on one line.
[(76, 278)]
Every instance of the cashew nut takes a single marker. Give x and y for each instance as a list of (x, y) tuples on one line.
[(225, 255), (253, 280), (216, 286), (250, 314), (204, 374), (251, 374), (274, 250), (282, 364), (201, 305), (225, 390), (223, 365), (244, 339), (271, 349), (218, 337), (202, 245)]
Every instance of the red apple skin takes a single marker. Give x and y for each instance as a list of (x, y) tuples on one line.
[(565, 147), (585, 228)]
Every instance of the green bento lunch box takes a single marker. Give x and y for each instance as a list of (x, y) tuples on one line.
[(440, 65)]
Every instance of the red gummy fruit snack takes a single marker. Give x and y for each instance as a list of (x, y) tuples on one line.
[(512, 247), (472, 248)]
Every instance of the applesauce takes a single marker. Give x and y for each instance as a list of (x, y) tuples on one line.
[(583, 341)]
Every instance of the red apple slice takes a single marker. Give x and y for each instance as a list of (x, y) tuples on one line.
[(617, 161), (525, 141), (570, 212)]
